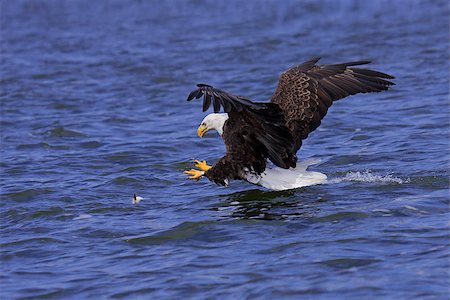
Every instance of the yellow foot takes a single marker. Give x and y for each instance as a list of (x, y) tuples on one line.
[(196, 174), (202, 165)]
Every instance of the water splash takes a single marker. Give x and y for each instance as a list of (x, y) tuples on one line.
[(368, 176)]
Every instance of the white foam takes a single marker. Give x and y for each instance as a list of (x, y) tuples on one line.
[(368, 176), (82, 217)]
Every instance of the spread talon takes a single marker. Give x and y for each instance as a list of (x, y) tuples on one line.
[(196, 174), (202, 165)]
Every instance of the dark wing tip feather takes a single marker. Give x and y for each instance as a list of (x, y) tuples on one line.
[(373, 73), (313, 60), (203, 85), (356, 63), (220, 98), (192, 95), (307, 65)]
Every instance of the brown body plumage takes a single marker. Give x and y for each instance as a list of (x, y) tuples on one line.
[(251, 137), (255, 132)]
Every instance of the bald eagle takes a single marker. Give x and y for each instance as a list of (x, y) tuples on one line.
[(258, 135)]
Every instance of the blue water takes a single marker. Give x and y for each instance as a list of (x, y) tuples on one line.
[(93, 110)]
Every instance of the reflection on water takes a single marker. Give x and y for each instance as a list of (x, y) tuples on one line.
[(270, 205)]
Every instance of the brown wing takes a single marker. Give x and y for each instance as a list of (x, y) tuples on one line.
[(222, 98), (305, 92)]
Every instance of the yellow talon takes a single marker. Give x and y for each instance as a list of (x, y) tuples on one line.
[(196, 174), (202, 165)]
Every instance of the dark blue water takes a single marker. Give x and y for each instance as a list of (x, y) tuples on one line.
[(93, 110)]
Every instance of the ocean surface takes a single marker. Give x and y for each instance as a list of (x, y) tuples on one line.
[(93, 110)]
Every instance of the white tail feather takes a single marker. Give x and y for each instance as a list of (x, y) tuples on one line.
[(275, 178)]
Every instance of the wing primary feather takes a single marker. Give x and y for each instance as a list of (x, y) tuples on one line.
[(226, 100), (226, 106), (192, 95), (336, 90), (372, 73), (308, 64), (203, 85), (371, 84), (372, 79), (346, 85), (326, 97), (356, 63), (216, 104), (199, 94), (207, 101)]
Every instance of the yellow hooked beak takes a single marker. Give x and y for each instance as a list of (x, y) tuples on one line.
[(202, 129)]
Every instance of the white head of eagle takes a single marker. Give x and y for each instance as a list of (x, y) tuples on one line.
[(212, 121)]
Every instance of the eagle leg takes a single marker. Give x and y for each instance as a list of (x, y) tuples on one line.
[(202, 165), (196, 174)]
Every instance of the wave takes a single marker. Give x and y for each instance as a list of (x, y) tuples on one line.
[(368, 176)]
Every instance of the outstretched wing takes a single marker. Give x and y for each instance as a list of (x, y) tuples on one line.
[(222, 98), (305, 92)]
